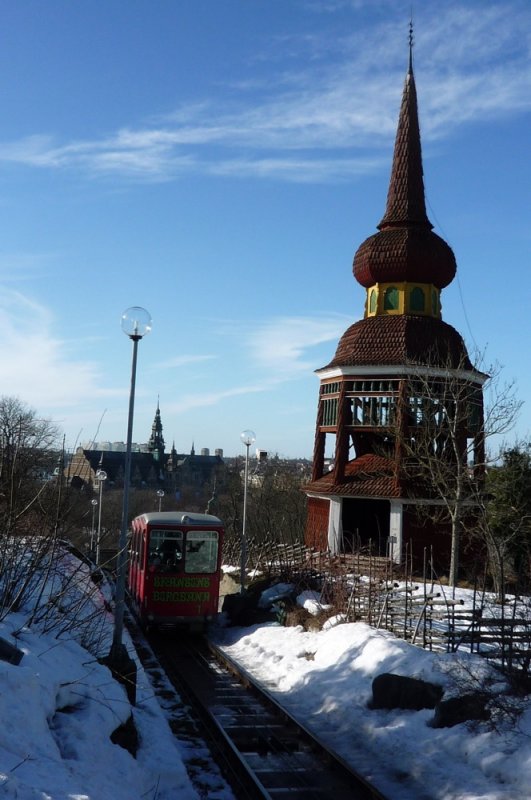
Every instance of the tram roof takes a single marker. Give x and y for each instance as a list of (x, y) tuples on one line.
[(190, 518)]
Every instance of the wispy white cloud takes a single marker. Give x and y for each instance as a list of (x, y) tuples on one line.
[(298, 170), (43, 371), (276, 351), (35, 363), (283, 346), (330, 94)]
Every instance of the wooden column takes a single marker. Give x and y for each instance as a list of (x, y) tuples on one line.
[(342, 436), (319, 444)]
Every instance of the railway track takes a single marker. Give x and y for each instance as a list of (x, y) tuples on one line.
[(262, 751)]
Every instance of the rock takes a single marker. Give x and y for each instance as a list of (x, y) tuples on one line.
[(242, 609), (238, 606), (10, 653), (126, 736), (456, 710), (399, 691)]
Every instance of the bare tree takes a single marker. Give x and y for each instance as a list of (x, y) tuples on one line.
[(444, 427), (28, 455), (29, 451), (276, 510)]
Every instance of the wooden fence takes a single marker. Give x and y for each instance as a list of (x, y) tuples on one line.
[(372, 589)]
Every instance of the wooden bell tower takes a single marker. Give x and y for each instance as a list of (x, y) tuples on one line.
[(386, 378)]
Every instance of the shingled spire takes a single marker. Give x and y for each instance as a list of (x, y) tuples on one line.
[(405, 198), (405, 254)]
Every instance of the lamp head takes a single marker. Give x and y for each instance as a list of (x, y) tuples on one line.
[(248, 437), (136, 322)]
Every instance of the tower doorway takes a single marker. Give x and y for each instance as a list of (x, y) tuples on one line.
[(366, 522)]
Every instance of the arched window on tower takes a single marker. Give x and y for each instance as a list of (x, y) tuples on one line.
[(416, 299), (391, 299), (372, 301)]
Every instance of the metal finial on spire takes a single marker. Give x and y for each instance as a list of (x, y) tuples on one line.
[(411, 42)]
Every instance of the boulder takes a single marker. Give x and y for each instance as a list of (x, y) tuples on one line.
[(10, 653), (456, 710), (238, 606), (242, 609), (126, 736), (399, 691)]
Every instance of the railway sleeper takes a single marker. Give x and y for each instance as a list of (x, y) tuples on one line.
[(313, 782), (263, 741)]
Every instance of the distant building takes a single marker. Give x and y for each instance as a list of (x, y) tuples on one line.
[(151, 466)]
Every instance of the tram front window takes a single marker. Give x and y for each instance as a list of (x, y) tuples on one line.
[(166, 550), (201, 551)]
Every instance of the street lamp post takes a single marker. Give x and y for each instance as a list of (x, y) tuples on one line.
[(101, 475), (247, 437), (136, 323), (93, 503), (160, 495)]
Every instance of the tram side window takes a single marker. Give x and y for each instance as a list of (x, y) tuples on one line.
[(166, 549), (201, 551), (142, 549)]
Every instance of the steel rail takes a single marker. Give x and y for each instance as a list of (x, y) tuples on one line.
[(358, 782), (223, 751), (263, 751)]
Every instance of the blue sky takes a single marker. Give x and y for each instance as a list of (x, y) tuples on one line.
[(219, 162)]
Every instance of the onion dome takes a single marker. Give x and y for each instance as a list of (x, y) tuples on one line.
[(405, 249)]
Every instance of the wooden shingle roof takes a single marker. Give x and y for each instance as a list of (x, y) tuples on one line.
[(367, 476), (401, 339)]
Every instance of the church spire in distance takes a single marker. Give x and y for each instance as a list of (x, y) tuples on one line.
[(156, 440)]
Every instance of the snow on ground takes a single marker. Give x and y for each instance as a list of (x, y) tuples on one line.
[(324, 679), (59, 707)]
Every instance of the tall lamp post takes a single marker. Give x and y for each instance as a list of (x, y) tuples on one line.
[(247, 437), (93, 503), (160, 495), (101, 475), (136, 323)]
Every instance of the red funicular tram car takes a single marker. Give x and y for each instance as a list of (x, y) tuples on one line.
[(174, 567)]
